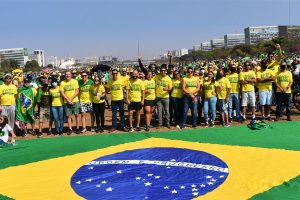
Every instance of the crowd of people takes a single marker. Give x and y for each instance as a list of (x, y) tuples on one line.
[(162, 94)]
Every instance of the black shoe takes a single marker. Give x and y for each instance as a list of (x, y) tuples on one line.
[(277, 119), (130, 130), (158, 127), (97, 130), (262, 119), (168, 126), (50, 133), (60, 133), (101, 130), (70, 131), (230, 120), (147, 129), (39, 134), (138, 129), (77, 131), (289, 118)]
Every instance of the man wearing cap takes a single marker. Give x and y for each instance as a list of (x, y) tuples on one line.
[(8, 94)]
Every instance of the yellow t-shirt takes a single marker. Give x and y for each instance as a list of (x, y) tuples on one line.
[(69, 88), (264, 86), (274, 66), (223, 82), (125, 78), (150, 86), (247, 87), (177, 88), (56, 97), (191, 83), (161, 83), (283, 79), (234, 82), (84, 91), (97, 93), (116, 89), (135, 90), (209, 89), (7, 93)]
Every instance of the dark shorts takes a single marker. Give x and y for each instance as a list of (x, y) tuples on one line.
[(72, 109), (150, 103), (135, 106)]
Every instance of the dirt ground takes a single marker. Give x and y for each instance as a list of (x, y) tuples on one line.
[(108, 122)]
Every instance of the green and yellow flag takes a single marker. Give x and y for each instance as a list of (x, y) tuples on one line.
[(233, 163)]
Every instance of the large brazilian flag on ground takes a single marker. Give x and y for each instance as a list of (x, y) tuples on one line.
[(233, 164)]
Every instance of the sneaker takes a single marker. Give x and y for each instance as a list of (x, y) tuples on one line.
[(101, 130), (177, 126), (125, 129), (50, 132), (227, 125), (158, 127), (183, 127), (194, 126), (147, 129), (253, 120), (277, 118), (39, 134), (223, 124), (168, 126), (268, 118), (97, 130), (263, 119), (150, 126), (70, 131), (206, 124), (77, 131), (230, 120), (60, 133), (289, 118), (112, 130), (130, 130), (92, 129), (212, 124), (84, 130), (138, 129)]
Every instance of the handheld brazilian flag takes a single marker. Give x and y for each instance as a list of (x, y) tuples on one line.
[(212, 164), (24, 107)]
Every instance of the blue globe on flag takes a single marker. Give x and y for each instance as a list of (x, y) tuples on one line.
[(150, 173)]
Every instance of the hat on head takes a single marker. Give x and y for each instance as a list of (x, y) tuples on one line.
[(7, 74)]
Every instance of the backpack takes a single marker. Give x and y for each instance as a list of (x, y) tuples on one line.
[(258, 125)]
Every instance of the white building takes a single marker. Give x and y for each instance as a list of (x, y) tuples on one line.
[(53, 61), (183, 52), (90, 60), (206, 46), (253, 35), (39, 57), (197, 47), (217, 43), (18, 54), (232, 40), (175, 53)]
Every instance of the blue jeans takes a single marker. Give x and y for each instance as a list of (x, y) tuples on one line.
[(177, 107), (234, 101), (58, 117), (187, 103), (114, 108), (286, 99), (210, 105)]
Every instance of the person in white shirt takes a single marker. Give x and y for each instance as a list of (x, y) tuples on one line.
[(5, 130)]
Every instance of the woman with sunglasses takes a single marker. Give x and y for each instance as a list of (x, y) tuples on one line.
[(97, 91), (210, 99), (176, 98), (150, 97), (5, 131)]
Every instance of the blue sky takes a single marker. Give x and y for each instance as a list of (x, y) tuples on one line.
[(82, 28)]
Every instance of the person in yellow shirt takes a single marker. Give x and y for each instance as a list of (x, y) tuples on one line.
[(135, 96), (283, 81), (8, 95), (85, 100), (265, 78), (116, 86), (69, 90), (273, 64), (210, 99), (223, 96), (190, 89), (234, 97), (57, 108), (97, 91), (150, 97), (247, 80), (177, 98), (163, 88)]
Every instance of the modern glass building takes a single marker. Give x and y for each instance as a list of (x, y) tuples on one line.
[(232, 40), (18, 54), (253, 35)]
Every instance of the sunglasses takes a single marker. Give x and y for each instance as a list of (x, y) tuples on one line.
[(84, 75), (114, 73), (163, 70), (7, 77), (190, 71)]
